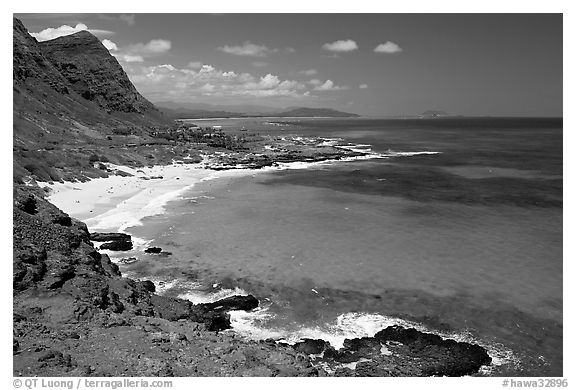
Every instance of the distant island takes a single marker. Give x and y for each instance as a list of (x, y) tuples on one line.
[(434, 114)]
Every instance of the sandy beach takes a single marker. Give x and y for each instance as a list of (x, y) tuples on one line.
[(116, 203)]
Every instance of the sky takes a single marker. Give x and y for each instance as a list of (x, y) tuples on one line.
[(369, 64)]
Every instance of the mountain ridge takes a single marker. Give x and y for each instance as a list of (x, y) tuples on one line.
[(69, 95), (184, 113)]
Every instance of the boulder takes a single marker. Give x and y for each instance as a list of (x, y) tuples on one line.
[(437, 356), (110, 237), (148, 285), (117, 245), (311, 346), (236, 302), (153, 249)]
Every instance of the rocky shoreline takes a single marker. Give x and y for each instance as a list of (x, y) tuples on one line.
[(74, 314)]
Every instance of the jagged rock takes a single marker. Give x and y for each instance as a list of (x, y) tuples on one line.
[(27, 204), (311, 346), (110, 237), (148, 285), (109, 267), (236, 302), (63, 220), (117, 245), (444, 357)]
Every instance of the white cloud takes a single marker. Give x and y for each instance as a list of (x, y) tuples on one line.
[(315, 82), (269, 81), (128, 57), (309, 72), (137, 52), (340, 46), (363, 86), (52, 33), (388, 47), (108, 44), (155, 46), (167, 81), (329, 86), (247, 49)]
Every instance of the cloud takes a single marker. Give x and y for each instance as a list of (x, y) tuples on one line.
[(309, 72), (167, 81), (315, 82), (340, 46), (52, 33), (260, 64), (328, 86), (128, 57), (108, 44), (388, 47), (247, 49), (155, 46), (139, 51), (363, 86), (129, 19)]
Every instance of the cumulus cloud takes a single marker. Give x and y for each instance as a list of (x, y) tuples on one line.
[(309, 72), (363, 86), (108, 44), (328, 86), (52, 33), (167, 81), (388, 47), (340, 46), (139, 51), (155, 46), (247, 49)]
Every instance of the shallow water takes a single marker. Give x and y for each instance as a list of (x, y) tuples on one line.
[(467, 241)]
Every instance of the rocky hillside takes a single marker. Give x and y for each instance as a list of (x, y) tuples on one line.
[(69, 95), (75, 315), (93, 73)]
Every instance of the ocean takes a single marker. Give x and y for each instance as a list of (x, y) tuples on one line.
[(456, 230)]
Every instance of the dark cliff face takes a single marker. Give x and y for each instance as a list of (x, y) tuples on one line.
[(81, 70), (69, 96), (30, 63), (94, 73)]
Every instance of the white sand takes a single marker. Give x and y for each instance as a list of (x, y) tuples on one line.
[(115, 203)]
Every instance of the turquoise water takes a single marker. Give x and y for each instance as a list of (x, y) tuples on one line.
[(468, 240)]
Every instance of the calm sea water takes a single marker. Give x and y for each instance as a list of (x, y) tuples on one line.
[(467, 241)]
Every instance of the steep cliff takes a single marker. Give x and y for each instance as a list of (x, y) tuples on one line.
[(93, 73), (69, 96)]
